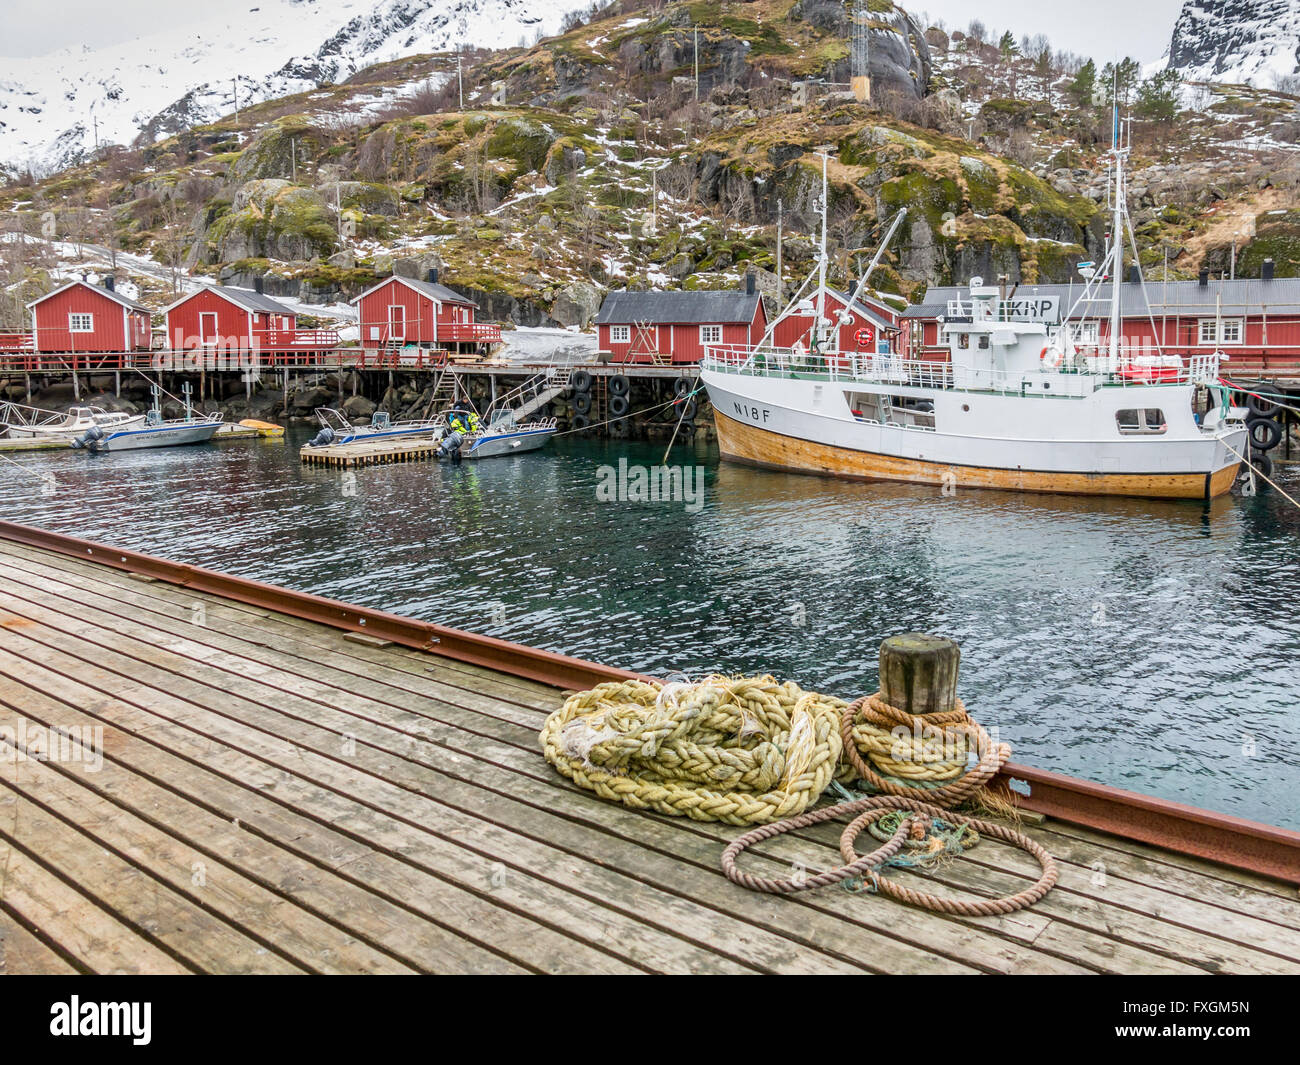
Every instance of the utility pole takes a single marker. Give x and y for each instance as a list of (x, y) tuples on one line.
[(95, 124), (460, 81), (654, 200), (234, 83), (780, 240), (697, 64), (293, 153)]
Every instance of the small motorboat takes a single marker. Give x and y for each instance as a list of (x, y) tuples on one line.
[(502, 436), (336, 429), (33, 423), (155, 432)]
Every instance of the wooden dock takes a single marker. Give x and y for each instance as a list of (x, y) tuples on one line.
[(277, 795), (371, 452)]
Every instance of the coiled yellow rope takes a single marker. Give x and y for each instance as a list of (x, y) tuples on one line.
[(742, 750)]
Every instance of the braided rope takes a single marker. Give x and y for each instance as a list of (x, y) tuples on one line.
[(742, 750)]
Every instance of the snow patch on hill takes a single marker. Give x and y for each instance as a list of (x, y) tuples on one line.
[(1254, 42)]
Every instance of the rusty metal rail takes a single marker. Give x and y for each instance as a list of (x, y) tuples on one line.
[(1173, 826)]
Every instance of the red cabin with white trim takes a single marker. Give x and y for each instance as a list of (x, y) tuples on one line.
[(80, 316), (400, 311), (232, 319), (676, 327), (864, 324)]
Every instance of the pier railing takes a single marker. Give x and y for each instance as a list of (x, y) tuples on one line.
[(876, 368)]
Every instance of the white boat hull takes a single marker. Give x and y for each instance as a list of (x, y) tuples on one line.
[(52, 432), (157, 436), (513, 443), (1024, 444)]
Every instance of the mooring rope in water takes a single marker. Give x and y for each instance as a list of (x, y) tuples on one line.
[(1260, 473), (751, 751)]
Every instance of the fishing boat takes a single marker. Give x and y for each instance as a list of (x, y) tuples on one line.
[(336, 429), (1020, 402), (155, 432), (23, 422)]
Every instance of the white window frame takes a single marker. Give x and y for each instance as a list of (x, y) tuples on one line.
[(1144, 427), (620, 334), (708, 336), (74, 318), (1215, 331)]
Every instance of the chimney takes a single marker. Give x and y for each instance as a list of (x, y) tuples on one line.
[(259, 285), (110, 283), (1134, 273), (1203, 278), (1266, 271), (433, 275), (749, 283)]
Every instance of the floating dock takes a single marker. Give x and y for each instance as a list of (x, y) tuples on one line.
[(371, 452), (293, 784)]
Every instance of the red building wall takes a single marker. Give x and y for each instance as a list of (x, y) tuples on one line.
[(114, 326), (423, 316), (235, 327), (679, 342)]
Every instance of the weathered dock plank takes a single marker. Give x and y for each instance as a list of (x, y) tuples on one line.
[(370, 453), (368, 807)]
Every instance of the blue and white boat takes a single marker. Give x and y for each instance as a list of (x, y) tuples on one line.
[(155, 432), (337, 430), (505, 436)]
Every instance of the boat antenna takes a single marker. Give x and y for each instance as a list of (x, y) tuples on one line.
[(1116, 233), (824, 154)]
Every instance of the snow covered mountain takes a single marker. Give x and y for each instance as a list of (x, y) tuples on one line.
[(1255, 42), (52, 107)]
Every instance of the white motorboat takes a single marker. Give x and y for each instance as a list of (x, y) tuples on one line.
[(155, 432), (29, 423), (336, 429), (1018, 404)]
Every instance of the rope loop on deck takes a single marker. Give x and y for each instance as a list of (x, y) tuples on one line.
[(742, 750)]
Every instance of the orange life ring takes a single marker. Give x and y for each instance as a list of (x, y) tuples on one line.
[(1053, 363), (863, 337)]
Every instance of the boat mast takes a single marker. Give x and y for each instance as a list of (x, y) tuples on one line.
[(1116, 236), (821, 266)]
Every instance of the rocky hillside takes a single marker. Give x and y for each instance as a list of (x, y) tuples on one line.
[(1238, 41), (599, 159)]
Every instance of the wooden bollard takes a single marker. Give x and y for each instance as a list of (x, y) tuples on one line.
[(918, 673)]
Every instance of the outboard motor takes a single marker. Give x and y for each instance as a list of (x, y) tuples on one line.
[(91, 436), (450, 446), (322, 439)]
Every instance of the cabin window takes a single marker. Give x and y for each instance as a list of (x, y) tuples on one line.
[(710, 334), (1141, 420), (963, 340), (984, 341), (620, 334), (81, 323), (1220, 331)]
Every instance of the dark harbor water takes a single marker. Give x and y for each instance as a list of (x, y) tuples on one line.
[(1153, 646)]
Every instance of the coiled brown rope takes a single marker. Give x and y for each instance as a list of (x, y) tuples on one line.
[(925, 749)]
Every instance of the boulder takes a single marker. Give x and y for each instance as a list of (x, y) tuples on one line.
[(577, 304)]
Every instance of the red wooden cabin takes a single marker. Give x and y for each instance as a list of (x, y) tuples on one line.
[(232, 319), (676, 327), (864, 324), (80, 317), (400, 311)]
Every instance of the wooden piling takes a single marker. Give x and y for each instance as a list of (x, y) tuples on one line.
[(918, 673)]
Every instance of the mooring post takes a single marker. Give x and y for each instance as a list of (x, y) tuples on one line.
[(918, 673)]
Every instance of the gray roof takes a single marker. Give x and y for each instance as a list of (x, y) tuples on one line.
[(253, 301), (663, 308), (441, 293), (1240, 296)]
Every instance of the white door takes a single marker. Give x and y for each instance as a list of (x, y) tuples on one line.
[(396, 322)]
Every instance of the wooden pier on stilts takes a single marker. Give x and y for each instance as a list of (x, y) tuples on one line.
[(243, 778), (371, 452)]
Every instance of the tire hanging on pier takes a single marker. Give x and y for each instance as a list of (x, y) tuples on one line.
[(581, 381), (689, 409), (619, 428), (579, 421), (619, 385), (582, 403), (682, 387), (1265, 434), (1260, 406), (618, 405)]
